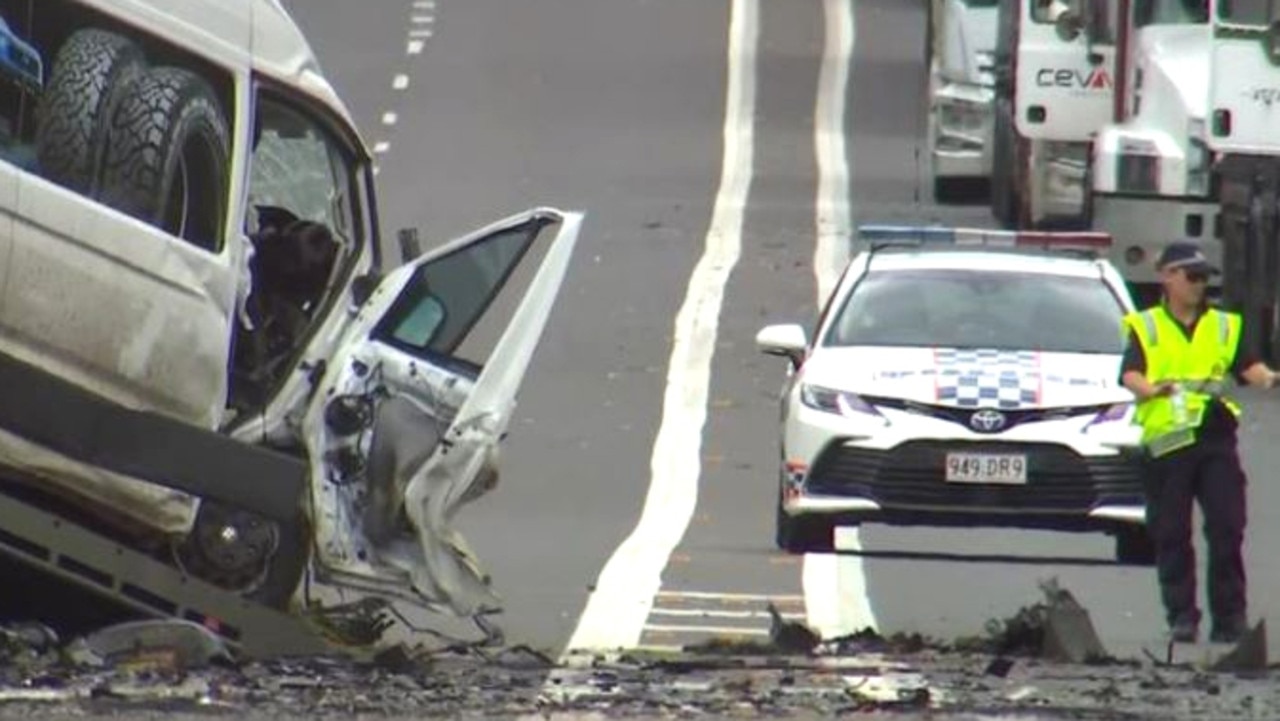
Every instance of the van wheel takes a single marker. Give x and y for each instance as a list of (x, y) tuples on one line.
[(93, 70), (262, 559), (168, 156)]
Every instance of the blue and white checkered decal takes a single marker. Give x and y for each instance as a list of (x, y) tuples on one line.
[(988, 378)]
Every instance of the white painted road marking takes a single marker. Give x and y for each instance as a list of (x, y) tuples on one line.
[(421, 33), (835, 586), (400, 82), (706, 613), (713, 630), (414, 47), (831, 249), (619, 606), (389, 118), (717, 596)]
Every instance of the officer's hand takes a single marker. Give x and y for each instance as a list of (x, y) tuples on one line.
[(1163, 388)]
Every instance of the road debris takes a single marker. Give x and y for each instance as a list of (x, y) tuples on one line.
[(177, 668)]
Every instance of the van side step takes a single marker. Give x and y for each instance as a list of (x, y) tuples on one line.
[(53, 545)]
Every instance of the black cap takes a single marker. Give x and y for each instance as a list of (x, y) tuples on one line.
[(1187, 256)]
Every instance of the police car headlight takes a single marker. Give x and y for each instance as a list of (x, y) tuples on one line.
[(840, 403)]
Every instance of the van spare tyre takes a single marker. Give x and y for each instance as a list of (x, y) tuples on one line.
[(92, 71), (168, 156)]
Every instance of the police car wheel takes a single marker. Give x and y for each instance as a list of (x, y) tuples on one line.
[(803, 534)]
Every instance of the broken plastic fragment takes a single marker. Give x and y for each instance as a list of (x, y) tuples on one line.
[(170, 643)]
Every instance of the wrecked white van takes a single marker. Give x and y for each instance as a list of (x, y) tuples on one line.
[(200, 354)]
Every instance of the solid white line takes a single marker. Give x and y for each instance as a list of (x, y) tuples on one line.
[(616, 610), (829, 146), (835, 587), (781, 598), (414, 47), (702, 613), (721, 630)]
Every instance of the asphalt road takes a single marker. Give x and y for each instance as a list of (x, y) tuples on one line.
[(616, 107)]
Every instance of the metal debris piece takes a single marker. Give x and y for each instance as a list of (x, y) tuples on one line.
[(999, 667), (1023, 693), (1250, 652), (790, 636), (29, 636), (1069, 635)]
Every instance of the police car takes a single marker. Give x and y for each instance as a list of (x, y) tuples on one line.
[(962, 378)]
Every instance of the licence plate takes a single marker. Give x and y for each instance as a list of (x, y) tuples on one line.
[(986, 468)]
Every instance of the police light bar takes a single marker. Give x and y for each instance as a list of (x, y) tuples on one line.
[(941, 235)]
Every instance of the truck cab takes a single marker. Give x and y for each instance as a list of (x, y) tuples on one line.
[(1054, 87), (1144, 119), (960, 56)]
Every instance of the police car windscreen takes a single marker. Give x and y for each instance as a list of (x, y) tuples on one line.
[(980, 309)]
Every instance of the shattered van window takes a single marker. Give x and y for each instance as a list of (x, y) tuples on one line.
[(296, 168)]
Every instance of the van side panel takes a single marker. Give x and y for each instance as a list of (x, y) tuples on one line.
[(115, 305)]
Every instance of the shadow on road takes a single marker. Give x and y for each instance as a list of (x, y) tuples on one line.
[(1032, 560)]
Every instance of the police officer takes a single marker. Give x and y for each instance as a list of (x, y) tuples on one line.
[(1177, 361)]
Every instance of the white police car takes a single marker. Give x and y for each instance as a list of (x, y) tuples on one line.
[(962, 377)]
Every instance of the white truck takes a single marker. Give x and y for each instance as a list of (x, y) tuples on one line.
[(960, 49), (1151, 120)]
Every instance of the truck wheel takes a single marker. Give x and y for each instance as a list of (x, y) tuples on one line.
[(168, 156), (1134, 547), (264, 560), (803, 535), (93, 70)]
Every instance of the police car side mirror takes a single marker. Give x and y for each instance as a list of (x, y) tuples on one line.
[(787, 340)]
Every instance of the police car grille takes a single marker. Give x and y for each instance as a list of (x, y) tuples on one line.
[(913, 474)]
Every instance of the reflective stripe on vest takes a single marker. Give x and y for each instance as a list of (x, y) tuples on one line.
[(1198, 365)]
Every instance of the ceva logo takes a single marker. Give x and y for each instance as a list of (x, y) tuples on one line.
[(1096, 79)]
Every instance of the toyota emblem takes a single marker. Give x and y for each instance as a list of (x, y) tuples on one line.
[(987, 421)]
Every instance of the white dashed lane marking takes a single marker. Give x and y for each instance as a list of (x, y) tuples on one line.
[(421, 20)]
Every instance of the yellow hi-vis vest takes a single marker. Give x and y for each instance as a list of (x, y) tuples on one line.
[(1199, 366)]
